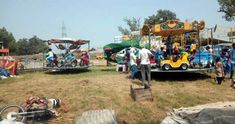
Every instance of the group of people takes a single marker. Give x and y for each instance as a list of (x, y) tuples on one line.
[(220, 67), (143, 58), (68, 57), (52, 58)]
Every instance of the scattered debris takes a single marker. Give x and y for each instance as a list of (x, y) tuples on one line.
[(220, 112), (34, 108), (105, 116), (5, 121), (141, 94)]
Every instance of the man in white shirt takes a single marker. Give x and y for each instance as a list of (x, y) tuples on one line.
[(133, 64), (144, 56)]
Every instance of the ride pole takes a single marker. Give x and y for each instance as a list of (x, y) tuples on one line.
[(199, 46), (149, 38), (170, 45), (212, 44), (88, 46)]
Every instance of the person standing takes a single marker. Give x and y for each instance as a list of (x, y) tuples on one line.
[(219, 70), (127, 60), (144, 56), (133, 64), (159, 56), (232, 59)]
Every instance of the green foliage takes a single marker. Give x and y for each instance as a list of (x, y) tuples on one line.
[(160, 17), (124, 31), (132, 23), (33, 45), (8, 39), (227, 7), (24, 46)]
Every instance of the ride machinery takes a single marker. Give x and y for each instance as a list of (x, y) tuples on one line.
[(69, 53), (170, 29)]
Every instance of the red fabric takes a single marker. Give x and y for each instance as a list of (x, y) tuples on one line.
[(85, 60), (10, 65), (4, 50)]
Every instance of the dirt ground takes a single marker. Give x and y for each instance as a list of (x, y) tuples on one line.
[(102, 87)]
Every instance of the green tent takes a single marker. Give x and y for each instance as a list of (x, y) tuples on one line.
[(112, 48)]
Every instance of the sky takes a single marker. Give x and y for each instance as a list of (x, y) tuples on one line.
[(95, 20)]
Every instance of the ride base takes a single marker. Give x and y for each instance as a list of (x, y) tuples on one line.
[(67, 68), (195, 70)]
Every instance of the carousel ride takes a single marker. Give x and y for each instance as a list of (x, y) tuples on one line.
[(69, 54), (178, 59)]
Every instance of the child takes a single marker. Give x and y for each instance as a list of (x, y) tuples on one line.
[(219, 70)]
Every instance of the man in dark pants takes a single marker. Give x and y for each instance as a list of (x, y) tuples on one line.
[(144, 56), (232, 58)]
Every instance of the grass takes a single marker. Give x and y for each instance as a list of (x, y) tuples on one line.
[(102, 87)]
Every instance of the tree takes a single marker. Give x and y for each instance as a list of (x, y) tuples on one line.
[(33, 45), (133, 24), (8, 39), (161, 16), (227, 7), (23, 47), (37, 45)]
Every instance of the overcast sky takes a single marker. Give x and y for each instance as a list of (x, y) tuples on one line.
[(96, 20)]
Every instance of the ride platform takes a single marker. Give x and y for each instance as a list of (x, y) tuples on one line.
[(66, 68), (195, 70)]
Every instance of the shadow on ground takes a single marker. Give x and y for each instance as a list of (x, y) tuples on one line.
[(68, 71), (179, 76)]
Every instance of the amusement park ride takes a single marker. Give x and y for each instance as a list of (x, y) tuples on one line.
[(175, 32), (70, 56), (170, 29)]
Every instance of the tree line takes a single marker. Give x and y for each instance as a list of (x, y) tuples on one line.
[(36, 45), (23, 46)]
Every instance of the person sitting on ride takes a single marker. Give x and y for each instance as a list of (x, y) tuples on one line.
[(50, 56), (84, 58), (209, 50), (193, 53), (175, 53), (69, 55)]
